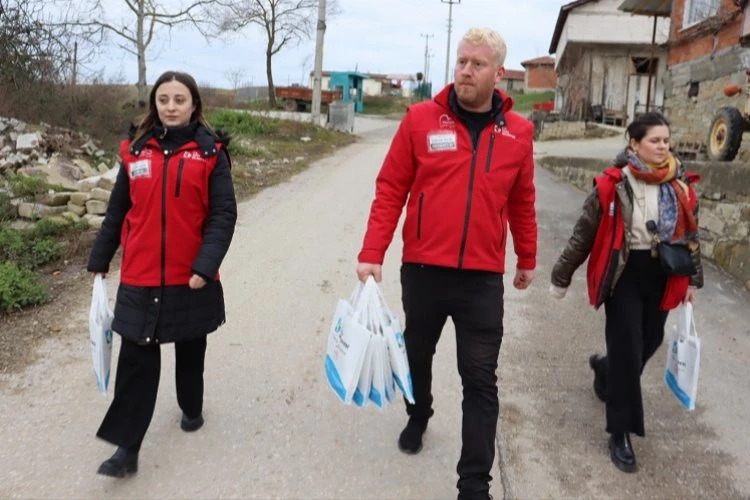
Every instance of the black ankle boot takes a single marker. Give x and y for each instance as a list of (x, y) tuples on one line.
[(410, 440), (600, 388), (121, 463), (191, 424), (621, 452)]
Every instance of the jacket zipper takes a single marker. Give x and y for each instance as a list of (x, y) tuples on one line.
[(609, 269), (489, 154), (179, 178), (467, 216), (419, 216), (164, 219), (503, 229)]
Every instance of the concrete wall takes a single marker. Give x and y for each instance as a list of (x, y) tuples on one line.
[(724, 192), (602, 22), (691, 117)]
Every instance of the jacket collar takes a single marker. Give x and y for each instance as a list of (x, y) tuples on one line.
[(501, 103)]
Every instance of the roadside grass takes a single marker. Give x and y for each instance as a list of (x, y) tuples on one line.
[(266, 151), (524, 102)]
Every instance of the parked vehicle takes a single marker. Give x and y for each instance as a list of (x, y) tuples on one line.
[(298, 98), (727, 126)]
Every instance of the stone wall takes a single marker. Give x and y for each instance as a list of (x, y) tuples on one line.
[(724, 192), (691, 117)]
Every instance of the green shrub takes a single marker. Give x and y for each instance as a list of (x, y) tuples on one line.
[(237, 123), (32, 247), (19, 287), (7, 211), (25, 186)]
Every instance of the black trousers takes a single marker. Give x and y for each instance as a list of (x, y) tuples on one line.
[(634, 331), (474, 301), (137, 383)]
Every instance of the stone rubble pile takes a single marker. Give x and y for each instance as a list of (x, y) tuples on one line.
[(62, 158)]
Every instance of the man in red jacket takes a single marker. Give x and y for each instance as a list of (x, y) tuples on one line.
[(463, 165)]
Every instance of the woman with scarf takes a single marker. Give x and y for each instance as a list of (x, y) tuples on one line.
[(173, 212), (643, 202)]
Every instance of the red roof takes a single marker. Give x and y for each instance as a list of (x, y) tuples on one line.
[(514, 74), (544, 60)]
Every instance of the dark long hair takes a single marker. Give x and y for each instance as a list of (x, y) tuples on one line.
[(148, 120), (638, 129)]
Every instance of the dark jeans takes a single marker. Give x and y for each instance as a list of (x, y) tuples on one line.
[(137, 383), (474, 301), (634, 331)]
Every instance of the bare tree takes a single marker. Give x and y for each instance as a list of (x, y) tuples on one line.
[(284, 23), (136, 30), (235, 77), (34, 45)]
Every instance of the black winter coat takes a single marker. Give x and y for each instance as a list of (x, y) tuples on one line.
[(164, 314)]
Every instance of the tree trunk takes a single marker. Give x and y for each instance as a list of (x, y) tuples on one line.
[(141, 49), (269, 75)]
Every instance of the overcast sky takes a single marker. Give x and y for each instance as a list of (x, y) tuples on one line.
[(377, 36)]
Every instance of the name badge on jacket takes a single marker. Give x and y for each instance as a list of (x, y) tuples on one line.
[(140, 168), (442, 141)]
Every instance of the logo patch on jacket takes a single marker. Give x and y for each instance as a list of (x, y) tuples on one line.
[(447, 122), (193, 155), (504, 131), (140, 169), (442, 141)]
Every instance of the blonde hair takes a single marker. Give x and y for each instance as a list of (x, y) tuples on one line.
[(490, 37)]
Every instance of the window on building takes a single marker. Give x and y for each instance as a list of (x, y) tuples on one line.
[(699, 10), (640, 65)]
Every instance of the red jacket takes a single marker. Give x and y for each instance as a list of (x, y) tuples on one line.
[(608, 243), (459, 201), (169, 208)]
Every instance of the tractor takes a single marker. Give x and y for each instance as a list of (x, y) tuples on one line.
[(728, 124)]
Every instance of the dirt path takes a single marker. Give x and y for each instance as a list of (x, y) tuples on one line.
[(275, 430)]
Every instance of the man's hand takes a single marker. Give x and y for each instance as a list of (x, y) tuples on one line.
[(196, 282), (366, 269), (523, 278), (691, 295)]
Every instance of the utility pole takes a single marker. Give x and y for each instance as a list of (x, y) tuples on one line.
[(450, 26), (74, 73), (318, 73), (426, 53)]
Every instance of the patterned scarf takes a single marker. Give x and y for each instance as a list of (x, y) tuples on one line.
[(676, 223)]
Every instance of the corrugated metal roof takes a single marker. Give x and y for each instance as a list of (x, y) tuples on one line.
[(659, 8)]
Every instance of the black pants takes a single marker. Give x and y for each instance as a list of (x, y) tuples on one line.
[(474, 301), (137, 383), (634, 331)]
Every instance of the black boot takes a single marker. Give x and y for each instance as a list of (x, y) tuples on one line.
[(600, 389), (621, 452), (191, 424), (121, 463), (410, 440)]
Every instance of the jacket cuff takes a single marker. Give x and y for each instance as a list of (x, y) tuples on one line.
[(370, 257), (526, 264)]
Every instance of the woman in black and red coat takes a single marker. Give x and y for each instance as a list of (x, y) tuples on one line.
[(173, 212)]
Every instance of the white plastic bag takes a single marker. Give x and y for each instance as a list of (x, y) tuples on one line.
[(683, 358), (347, 342), (399, 371), (100, 333)]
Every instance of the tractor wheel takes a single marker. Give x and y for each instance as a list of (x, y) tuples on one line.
[(725, 134), (290, 105)]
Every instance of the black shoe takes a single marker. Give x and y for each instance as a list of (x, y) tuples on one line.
[(474, 496), (410, 440), (121, 463), (621, 452), (599, 388), (191, 424)]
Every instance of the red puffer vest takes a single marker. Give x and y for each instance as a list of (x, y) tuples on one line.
[(169, 195)]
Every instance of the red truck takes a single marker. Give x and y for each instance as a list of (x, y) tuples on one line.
[(297, 98)]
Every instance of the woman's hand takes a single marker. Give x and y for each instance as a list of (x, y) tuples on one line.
[(196, 282), (691, 295)]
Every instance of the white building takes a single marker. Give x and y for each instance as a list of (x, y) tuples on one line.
[(603, 58)]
